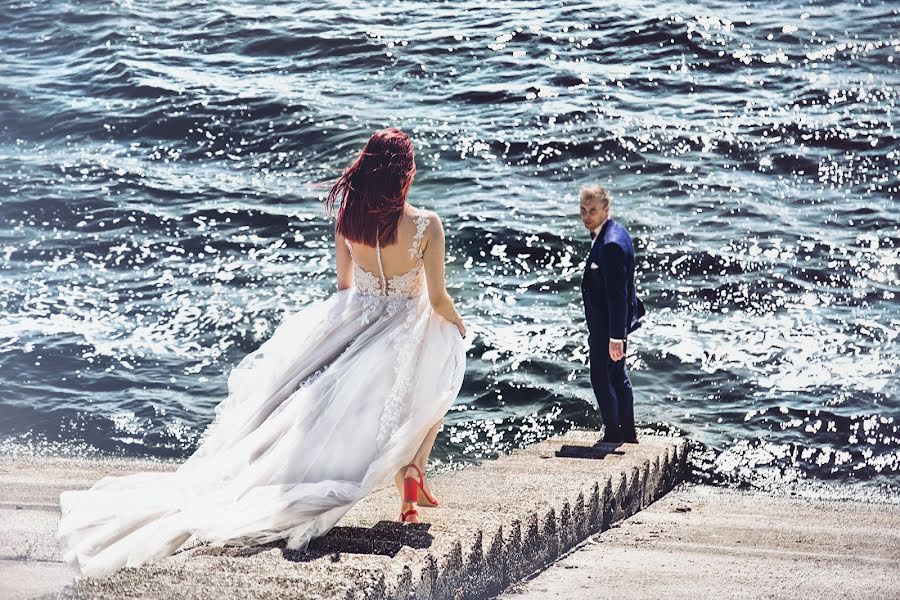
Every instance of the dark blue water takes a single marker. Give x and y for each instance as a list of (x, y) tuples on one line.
[(160, 211)]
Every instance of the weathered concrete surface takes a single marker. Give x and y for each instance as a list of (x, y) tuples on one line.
[(706, 542), (29, 509), (497, 523)]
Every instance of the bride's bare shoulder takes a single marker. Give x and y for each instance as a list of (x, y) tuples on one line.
[(433, 218), (434, 228)]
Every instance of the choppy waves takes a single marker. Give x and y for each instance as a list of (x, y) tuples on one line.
[(161, 171)]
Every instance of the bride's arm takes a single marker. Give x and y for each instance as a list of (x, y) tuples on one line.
[(344, 262), (440, 299)]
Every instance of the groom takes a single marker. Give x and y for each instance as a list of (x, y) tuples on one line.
[(611, 309)]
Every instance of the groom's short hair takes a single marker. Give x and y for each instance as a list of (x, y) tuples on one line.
[(596, 193)]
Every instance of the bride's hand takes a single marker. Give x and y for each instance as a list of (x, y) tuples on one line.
[(461, 327)]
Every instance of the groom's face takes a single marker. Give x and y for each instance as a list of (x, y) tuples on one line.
[(593, 212)]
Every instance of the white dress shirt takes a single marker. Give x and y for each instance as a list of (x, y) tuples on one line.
[(595, 232)]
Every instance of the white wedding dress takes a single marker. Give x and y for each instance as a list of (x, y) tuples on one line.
[(326, 410)]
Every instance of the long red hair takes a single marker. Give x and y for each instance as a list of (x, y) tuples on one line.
[(371, 192)]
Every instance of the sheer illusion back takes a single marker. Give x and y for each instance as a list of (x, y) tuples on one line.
[(406, 284)]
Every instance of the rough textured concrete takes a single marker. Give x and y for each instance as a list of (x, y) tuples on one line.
[(497, 523), (29, 509), (706, 542)]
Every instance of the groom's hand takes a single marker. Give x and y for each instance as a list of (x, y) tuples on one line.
[(616, 350)]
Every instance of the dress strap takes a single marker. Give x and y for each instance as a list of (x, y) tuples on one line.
[(421, 221), (380, 266)]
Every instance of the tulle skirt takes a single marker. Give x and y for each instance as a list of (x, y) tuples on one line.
[(326, 410)]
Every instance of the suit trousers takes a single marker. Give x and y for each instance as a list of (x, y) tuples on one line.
[(612, 389)]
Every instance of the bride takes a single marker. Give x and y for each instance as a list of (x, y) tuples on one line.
[(346, 394)]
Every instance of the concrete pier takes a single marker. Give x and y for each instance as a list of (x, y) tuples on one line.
[(712, 542), (498, 523)]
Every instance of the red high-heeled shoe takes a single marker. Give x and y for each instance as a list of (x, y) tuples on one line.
[(410, 495), (430, 501)]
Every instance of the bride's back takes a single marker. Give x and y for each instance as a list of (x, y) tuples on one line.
[(396, 259)]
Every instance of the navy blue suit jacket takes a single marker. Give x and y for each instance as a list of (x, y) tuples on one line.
[(610, 301)]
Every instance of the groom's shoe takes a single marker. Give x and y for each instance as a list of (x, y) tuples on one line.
[(609, 438)]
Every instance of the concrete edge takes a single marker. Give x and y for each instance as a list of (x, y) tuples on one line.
[(484, 561), (486, 564)]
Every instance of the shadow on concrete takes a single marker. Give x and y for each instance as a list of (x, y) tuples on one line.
[(385, 538), (599, 450)]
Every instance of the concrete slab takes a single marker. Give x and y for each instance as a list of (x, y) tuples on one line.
[(497, 523), (25, 532), (30, 564), (33, 481), (708, 542), (21, 580)]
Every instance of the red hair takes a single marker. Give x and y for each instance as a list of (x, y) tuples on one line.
[(371, 193)]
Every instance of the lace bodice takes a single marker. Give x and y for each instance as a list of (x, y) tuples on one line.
[(405, 285)]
